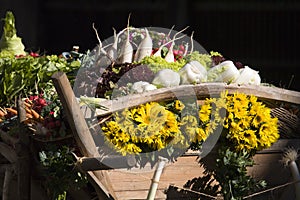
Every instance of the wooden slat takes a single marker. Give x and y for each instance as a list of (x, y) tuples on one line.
[(24, 155), (81, 131), (8, 152), (76, 121), (199, 91), (134, 182)]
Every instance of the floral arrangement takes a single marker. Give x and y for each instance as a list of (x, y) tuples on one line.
[(147, 128), (247, 122), (246, 125), (154, 128)]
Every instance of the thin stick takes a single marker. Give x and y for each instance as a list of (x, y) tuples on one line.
[(160, 166), (200, 193), (271, 189), (291, 80)]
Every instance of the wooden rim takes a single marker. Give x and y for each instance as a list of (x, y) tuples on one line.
[(199, 91)]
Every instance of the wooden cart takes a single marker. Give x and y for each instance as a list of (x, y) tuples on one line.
[(128, 182)]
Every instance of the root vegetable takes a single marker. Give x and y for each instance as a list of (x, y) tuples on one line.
[(145, 47), (126, 51), (158, 52), (2, 114), (170, 55), (35, 114), (166, 78), (112, 52), (29, 116), (28, 105), (12, 110)]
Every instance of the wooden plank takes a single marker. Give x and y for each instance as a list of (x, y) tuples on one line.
[(76, 121), (178, 173), (8, 152), (24, 155), (81, 131), (280, 145), (6, 183), (200, 91), (131, 183)]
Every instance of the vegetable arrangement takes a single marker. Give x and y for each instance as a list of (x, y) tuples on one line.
[(170, 56), (27, 75)]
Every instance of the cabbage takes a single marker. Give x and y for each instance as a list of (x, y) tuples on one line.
[(248, 76), (10, 41), (226, 72)]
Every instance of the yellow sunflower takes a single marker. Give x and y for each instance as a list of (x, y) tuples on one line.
[(247, 122), (150, 126)]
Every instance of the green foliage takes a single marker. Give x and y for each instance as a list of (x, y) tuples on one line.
[(231, 172), (156, 63), (60, 172), (204, 59), (27, 75)]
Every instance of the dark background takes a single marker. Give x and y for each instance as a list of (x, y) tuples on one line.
[(261, 34)]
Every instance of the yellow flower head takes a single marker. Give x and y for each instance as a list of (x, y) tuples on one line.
[(150, 125), (179, 105), (247, 122)]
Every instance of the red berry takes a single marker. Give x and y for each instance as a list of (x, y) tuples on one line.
[(34, 54), (181, 47)]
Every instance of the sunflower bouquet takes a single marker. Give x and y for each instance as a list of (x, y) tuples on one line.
[(150, 129), (244, 123), (246, 126)]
